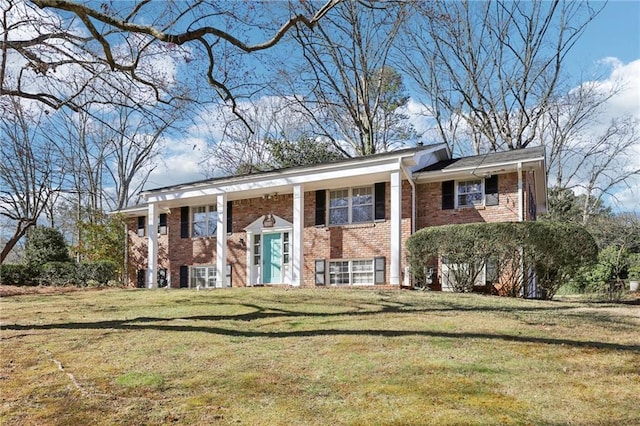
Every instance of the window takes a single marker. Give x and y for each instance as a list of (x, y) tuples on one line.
[(355, 272), (470, 193), (353, 205), (203, 276), (256, 250), (285, 248), (339, 272), (162, 224), (204, 221), (142, 221), (470, 274)]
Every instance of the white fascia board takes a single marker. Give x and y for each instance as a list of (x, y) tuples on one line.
[(270, 182), (486, 169)]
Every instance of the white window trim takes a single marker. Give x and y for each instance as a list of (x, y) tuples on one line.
[(481, 279), (350, 205), (209, 269), (351, 272), (209, 208), (470, 206)]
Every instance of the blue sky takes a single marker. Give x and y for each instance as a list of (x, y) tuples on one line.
[(608, 51), (615, 32)]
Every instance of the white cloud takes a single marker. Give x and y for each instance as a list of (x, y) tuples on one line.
[(182, 163)]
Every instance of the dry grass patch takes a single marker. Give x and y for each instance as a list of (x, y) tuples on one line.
[(277, 356)]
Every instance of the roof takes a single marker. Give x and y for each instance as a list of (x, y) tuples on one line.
[(513, 156), (345, 161)]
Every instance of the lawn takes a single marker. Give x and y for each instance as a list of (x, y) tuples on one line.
[(315, 357)]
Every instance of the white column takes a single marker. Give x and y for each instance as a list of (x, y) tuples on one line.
[(221, 242), (297, 246), (152, 247), (396, 228)]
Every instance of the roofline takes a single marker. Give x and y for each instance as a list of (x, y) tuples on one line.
[(296, 170)]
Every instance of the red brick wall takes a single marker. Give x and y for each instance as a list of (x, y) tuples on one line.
[(430, 213), (358, 241)]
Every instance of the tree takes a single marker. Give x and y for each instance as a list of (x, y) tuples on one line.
[(46, 245), (109, 48), (490, 70), (304, 152), (345, 83), (31, 172)]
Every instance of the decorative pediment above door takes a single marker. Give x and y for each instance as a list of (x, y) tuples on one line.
[(269, 222)]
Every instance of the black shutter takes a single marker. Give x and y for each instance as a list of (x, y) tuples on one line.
[(142, 278), (184, 276), (184, 222), (379, 213), (491, 191), (321, 207), (379, 268), (229, 217), (320, 272), (448, 195)]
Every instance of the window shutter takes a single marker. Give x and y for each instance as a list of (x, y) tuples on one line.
[(491, 191), (184, 276), (320, 272), (379, 213), (229, 217), (379, 270), (141, 225), (321, 207), (448, 195), (141, 278), (184, 222)]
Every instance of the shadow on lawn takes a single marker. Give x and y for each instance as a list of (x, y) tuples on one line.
[(150, 323)]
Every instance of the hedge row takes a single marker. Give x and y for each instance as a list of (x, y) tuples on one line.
[(59, 274), (554, 250)]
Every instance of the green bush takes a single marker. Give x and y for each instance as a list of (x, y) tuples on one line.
[(99, 272), (45, 245), (59, 274), (19, 275), (555, 251)]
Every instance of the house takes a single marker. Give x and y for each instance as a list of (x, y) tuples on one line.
[(338, 224)]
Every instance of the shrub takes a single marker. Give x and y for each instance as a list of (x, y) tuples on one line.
[(555, 251), (19, 275), (100, 272), (59, 273), (45, 245)]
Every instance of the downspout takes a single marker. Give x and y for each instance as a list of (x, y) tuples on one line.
[(413, 196), (407, 174), (125, 275)]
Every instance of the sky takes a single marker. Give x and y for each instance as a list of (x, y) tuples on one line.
[(609, 50)]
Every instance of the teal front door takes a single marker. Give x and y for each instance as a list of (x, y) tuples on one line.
[(272, 259)]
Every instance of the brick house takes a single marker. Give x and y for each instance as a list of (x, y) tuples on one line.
[(341, 223)]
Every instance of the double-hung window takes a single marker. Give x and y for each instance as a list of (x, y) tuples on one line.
[(351, 272), (353, 205), (470, 193), (203, 276), (204, 221)]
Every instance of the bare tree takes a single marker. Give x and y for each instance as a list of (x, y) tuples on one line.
[(494, 66), (31, 173), (117, 44), (587, 150), (345, 83)]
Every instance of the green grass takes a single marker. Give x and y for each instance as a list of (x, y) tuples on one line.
[(315, 357)]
